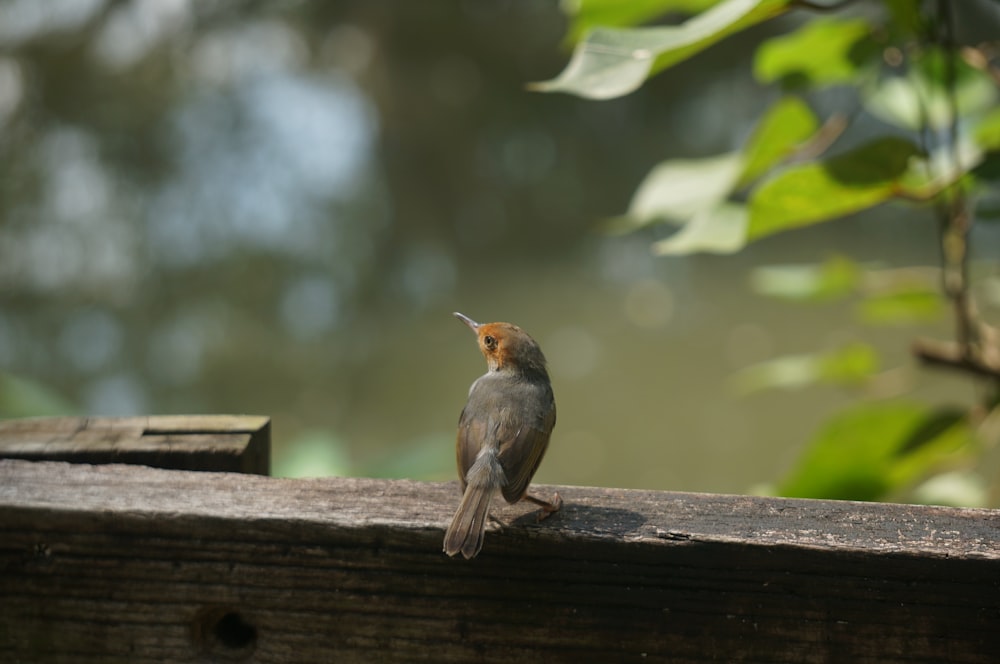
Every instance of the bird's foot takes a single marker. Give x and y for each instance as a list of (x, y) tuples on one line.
[(548, 507)]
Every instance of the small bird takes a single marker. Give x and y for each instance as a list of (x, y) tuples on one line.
[(503, 431)]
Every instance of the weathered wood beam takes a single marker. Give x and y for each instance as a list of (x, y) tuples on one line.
[(116, 563), (226, 443)]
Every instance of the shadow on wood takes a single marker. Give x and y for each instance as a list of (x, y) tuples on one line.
[(117, 563)]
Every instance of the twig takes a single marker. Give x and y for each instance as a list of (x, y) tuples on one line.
[(951, 355), (967, 353), (822, 139), (821, 7), (955, 219)]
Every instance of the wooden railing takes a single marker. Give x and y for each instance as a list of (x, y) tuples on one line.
[(128, 563)]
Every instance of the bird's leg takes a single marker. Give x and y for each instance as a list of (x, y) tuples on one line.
[(548, 508)]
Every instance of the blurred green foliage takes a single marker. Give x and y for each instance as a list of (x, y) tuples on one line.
[(875, 451), (611, 62), (22, 397), (939, 142), (851, 365), (836, 50), (317, 453)]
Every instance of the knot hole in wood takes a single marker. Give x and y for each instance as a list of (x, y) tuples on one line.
[(223, 632)]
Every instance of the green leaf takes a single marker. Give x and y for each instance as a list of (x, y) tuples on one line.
[(955, 488), (987, 131), (820, 191), (719, 230), (678, 189), (821, 52), (836, 277), (942, 437), (611, 62), (988, 170), (912, 305), (920, 98), (945, 166), (850, 365), (789, 372), (873, 450), (787, 124), (907, 17), (588, 14)]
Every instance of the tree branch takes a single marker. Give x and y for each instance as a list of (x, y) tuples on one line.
[(951, 355), (821, 7)]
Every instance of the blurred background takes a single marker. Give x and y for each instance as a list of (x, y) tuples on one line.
[(240, 206)]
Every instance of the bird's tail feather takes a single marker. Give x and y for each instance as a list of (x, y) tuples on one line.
[(468, 526)]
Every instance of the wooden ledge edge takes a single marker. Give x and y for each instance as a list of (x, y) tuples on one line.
[(147, 423), (290, 507), (222, 443)]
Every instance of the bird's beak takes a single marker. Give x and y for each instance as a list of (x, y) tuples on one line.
[(473, 325)]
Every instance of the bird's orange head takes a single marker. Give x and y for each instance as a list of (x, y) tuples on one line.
[(506, 346)]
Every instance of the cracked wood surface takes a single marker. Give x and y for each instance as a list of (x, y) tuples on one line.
[(126, 563)]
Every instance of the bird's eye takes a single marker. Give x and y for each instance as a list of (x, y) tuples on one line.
[(490, 341)]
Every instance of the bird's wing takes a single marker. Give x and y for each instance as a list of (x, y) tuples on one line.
[(521, 450), (471, 434)]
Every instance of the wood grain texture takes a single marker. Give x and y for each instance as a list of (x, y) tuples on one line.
[(133, 564), (225, 443)]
